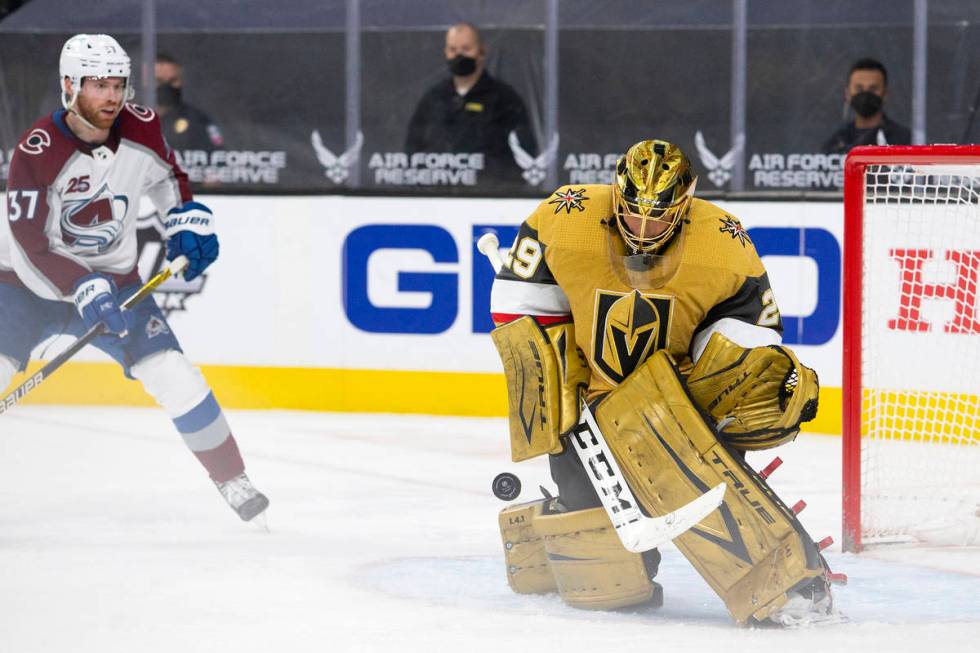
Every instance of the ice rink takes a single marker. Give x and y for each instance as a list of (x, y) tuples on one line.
[(383, 537)]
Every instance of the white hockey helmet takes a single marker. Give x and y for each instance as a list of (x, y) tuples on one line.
[(92, 55)]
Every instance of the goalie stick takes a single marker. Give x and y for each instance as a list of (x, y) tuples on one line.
[(489, 246), (636, 531), (13, 398)]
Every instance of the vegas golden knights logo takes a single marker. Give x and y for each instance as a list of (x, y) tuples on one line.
[(627, 329)]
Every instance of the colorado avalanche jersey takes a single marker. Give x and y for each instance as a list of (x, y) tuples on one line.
[(72, 207)]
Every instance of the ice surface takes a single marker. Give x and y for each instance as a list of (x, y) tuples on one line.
[(383, 538)]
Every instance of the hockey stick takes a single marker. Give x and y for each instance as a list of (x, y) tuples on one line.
[(489, 246), (174, 268), (637, 532)]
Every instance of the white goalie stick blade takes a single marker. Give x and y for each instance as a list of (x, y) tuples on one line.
[(638, 532)]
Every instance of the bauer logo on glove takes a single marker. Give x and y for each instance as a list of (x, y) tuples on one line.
[(189, 230)]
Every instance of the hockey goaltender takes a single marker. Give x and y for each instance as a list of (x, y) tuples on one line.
[(641, 345)]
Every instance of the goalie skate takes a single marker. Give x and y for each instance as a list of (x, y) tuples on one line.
[(243, 498), (809, 607)]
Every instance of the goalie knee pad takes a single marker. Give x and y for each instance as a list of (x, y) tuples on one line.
[(173, 381), (590, 566), (527, 562)]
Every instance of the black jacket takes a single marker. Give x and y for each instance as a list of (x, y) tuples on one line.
[(480, 121), (849, 136), (188, 128)]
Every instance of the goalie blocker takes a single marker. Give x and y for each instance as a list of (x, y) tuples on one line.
[(546, 375)]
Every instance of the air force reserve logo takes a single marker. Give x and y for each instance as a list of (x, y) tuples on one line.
[(535, 168), (627, 329), (569, 199), (91, 225), (336, 168), (719, 169)]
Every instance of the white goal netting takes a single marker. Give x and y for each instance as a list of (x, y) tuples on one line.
[(920, 355)]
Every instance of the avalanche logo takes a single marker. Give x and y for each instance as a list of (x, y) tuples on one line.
[(91, 225), (155, 327), (35, 142)]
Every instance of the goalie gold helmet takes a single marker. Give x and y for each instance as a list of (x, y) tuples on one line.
[(651, 194)]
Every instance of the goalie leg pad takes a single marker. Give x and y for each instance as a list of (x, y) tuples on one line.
[(527, 561), (544, 377), (752, 550), (592, 569)]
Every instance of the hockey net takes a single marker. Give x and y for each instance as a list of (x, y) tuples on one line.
[(911, 346)]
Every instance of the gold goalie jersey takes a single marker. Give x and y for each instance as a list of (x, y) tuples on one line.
[(568, 263)]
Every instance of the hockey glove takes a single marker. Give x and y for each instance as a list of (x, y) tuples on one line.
[(95, 299), (758, 397), (189, 230)]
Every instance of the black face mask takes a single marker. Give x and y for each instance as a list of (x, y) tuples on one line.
[(461, 65), (167, 95), (866, 103)]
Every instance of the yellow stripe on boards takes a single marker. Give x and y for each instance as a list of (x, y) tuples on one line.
[(367, 391), (297, 388)]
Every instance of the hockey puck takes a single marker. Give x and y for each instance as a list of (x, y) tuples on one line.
[(506, 486)]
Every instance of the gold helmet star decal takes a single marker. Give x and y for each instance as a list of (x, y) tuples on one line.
[(569, 199), (732, 226)]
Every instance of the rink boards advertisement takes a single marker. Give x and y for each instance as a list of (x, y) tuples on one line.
[(382, 304)]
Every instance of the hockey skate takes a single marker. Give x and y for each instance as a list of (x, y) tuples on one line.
[(243, 498), (810, 606)]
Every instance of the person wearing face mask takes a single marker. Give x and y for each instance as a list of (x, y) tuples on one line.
[(472, 112), (865, 93), (185, 126)]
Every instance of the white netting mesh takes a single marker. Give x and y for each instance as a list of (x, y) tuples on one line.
[(920, 353)]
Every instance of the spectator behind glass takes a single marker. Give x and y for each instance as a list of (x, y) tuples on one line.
[(867, 85), (471, 111), (185, 127)]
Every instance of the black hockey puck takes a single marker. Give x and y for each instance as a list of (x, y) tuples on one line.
[(506, 486)]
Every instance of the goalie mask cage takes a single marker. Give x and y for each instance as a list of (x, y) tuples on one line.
[(911, 368)]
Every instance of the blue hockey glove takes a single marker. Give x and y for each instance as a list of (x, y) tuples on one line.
[(189, 230), (95, 299)]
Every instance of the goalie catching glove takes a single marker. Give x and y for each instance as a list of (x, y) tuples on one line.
[(757, 397)]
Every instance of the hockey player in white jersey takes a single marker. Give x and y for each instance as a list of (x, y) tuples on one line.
[(68, 252)]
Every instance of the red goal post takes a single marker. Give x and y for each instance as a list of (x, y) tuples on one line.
[(911, 261)]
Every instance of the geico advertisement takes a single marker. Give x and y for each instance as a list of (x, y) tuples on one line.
[(396, 283)]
